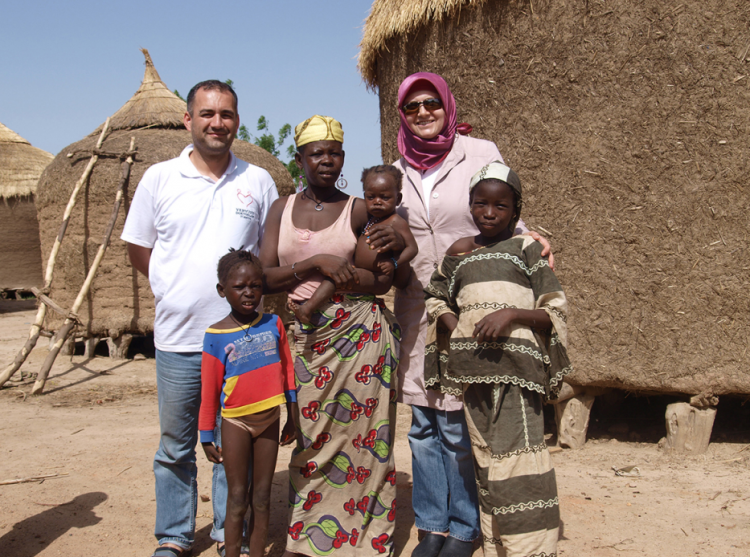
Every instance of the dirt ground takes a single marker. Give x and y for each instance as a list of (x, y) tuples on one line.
[(96, 428)]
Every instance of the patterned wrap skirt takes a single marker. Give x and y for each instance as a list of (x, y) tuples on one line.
[(342, 481)]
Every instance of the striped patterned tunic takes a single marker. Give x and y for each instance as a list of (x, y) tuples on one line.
[(504, 384)]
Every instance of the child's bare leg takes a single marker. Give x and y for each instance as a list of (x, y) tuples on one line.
[(265, 448), (304, 312), (237, 452)]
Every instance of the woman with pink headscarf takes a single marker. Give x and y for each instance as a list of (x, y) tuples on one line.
[(438, 161)]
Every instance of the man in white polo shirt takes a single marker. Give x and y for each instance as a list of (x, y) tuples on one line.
[(186, 213)]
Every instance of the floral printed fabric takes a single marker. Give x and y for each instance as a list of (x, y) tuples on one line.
[(342, 482)]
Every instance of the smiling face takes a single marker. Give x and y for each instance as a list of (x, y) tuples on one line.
[(321, 161), (213, 123), (243, 289), (381, 195), (426, 124), (492, 205)]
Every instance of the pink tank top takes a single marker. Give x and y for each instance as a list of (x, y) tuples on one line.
[(296, 244)]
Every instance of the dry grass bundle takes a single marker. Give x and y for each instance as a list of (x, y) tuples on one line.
[(20, 253), (628, 125), (391, 18), (20, 164)]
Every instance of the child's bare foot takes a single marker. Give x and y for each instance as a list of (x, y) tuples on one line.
[(302, 313)]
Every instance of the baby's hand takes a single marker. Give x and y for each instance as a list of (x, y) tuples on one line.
[(386, 266), (213, 453)]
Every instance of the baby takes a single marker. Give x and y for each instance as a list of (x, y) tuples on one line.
[(382, 191)]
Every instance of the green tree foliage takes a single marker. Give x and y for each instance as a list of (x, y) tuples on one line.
[(273, 144)]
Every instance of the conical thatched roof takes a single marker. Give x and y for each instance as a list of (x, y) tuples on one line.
[(20, 164), (153, 105), (389, 18)]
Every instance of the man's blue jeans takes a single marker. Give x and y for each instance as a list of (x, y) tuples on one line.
[(444, 494), (178, 378)]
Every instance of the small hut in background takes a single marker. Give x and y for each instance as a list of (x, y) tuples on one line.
[(120, 302), (20, 252), (628, 125)]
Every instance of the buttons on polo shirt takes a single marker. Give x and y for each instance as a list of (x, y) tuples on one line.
[(434, 265), (435, 195)]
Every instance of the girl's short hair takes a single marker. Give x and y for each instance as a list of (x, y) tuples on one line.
[(388, 169), (235, 258)]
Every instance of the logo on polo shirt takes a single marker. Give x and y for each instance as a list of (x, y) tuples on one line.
[(246, 199)]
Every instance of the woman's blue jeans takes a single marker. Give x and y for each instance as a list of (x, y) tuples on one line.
[(444, 494), (178, 379)]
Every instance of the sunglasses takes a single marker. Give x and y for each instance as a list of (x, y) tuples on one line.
[(429, 104)]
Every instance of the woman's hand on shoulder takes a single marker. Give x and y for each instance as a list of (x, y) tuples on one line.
[(546, 248)]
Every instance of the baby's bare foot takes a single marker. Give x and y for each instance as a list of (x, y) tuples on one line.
[(302, 313)]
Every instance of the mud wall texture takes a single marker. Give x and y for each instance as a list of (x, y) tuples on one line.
[(627, 123), (120, 300), (20, 252)]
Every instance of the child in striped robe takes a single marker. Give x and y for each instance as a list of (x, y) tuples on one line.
[(498, 337)]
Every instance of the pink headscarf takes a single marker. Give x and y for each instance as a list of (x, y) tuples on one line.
[(426, 153)]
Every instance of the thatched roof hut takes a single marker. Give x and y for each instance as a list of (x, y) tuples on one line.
[(120, 301), (20, 253), (628, 125)]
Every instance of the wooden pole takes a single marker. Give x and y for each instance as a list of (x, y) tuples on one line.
[(42, 311), (70, 322)]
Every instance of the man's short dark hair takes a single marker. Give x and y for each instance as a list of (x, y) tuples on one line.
[(209, 85)]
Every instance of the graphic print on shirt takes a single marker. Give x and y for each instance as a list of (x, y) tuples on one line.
[(245, 199), (260, 345)]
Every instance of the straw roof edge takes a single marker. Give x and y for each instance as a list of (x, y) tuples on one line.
[(22, 164), (389, 18)]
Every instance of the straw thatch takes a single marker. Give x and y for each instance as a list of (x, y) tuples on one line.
[(392, 18), (153, 105), (120, 300), (20, 253), (20, 164), (628, 125)]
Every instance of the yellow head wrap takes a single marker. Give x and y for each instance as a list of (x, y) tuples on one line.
[(318, 128)]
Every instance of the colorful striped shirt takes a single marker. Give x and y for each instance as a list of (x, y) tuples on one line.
[(245, 370)]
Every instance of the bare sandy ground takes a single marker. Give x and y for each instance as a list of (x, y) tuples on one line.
[(96, 428)]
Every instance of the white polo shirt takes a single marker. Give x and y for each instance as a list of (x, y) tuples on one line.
[(189, 221)]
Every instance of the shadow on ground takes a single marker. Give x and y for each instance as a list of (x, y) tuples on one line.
[(32, 536)]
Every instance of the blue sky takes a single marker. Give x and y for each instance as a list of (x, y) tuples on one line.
[(66, 66)]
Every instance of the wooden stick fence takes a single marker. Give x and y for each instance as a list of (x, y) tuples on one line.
[(42, 311), (71, 320)]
